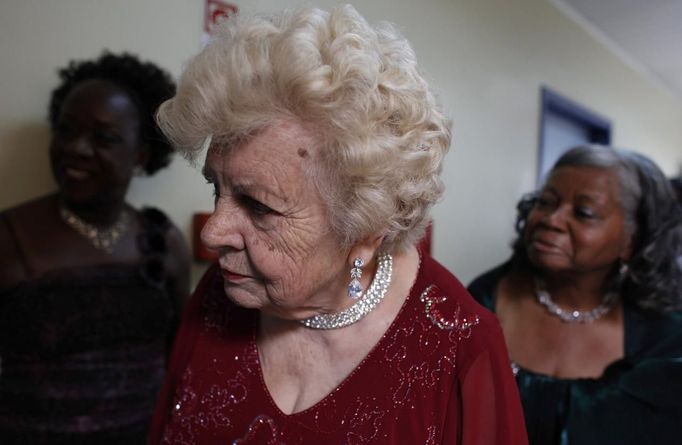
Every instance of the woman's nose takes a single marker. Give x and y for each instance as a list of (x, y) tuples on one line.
[(222, 229), (555, 218), (80, 146)]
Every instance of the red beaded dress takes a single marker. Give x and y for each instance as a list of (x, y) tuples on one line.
[(439, 375)]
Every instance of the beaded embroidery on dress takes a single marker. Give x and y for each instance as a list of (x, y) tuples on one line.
[(406, 381)]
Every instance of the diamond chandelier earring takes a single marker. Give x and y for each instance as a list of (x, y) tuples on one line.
[(364, 304), (354, 287)]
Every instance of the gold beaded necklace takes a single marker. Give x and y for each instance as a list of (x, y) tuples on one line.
[(101, 239)]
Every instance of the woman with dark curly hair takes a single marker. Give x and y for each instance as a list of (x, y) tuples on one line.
[(90, 287), (588, 302)]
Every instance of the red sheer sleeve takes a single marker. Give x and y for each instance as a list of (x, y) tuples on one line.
[(489, 409), (180, 356)]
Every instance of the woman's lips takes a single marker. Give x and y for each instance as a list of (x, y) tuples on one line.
[(544, 246), (232, 276)]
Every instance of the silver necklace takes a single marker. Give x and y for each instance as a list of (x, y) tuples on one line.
[(363, 306), (545, 299), (101, 239)]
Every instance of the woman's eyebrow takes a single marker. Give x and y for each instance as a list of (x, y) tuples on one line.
[(252, 189)]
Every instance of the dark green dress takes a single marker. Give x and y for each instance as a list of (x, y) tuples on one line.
[(638, 399)]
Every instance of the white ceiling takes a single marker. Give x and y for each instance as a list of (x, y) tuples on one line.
[(646, 34)]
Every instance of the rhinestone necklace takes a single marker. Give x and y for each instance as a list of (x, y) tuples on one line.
[(363, 306), (101, 239), (545, 299)]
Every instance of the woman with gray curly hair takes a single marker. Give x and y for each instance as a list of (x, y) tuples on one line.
[(589, 302), (321, 322)]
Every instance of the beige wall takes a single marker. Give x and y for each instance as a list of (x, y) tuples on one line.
[(487, 58)]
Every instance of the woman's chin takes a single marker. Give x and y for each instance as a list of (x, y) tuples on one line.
[(247, 300), (76, 196), (548, 263), (242, 297)]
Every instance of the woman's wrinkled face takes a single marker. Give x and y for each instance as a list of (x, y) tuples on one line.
[(95, 143), (270, 224), (577, 224)]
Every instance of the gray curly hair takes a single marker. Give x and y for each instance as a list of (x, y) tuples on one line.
[(382, 136), (652, 216)]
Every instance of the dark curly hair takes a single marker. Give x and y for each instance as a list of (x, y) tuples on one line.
[(653, 216), (147, 84), (676, 184)]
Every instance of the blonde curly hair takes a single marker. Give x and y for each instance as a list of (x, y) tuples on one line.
[(381, 134)]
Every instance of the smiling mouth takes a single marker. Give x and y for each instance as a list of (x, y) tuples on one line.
[(76, 173)]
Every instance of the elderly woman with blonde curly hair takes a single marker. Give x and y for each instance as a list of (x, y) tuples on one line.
[(321, 322)]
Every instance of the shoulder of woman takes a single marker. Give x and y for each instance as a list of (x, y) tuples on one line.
[(12, 270), (154, 218), (654, 370), (30, 210), (170, 239), (18, 225), (477, 328), (447, 295), (161, 231), (483, 287), (654, 334)]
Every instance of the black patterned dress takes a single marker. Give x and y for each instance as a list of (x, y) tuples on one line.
[(83, 350)]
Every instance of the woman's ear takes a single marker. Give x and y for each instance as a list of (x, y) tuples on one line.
[(365, 249), (628, 248)]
